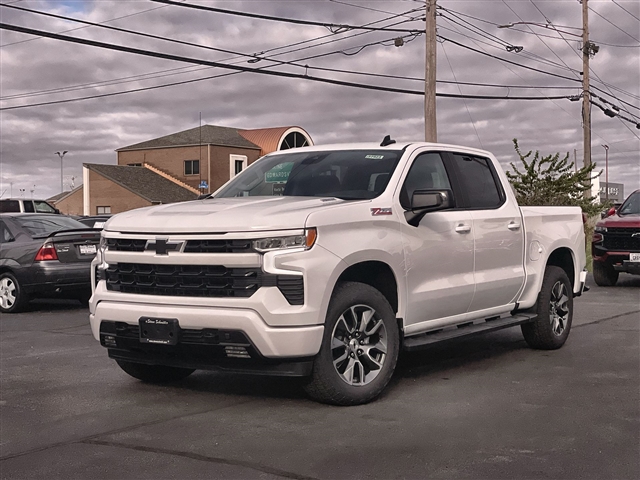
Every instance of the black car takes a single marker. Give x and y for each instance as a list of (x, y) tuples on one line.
[(44, 255)]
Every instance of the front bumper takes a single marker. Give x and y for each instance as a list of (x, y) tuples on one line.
[(618, 260), (269, 342)]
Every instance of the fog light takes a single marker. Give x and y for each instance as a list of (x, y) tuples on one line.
[(109, 341), (236, 352)]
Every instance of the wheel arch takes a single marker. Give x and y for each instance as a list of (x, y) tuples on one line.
[(563, 258), (376, 274)]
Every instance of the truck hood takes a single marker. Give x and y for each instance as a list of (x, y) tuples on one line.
[(622, 221), (219, 215)]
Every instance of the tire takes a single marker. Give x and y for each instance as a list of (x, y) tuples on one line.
[(154, 373), (554, 308), (84, 298), (604, 274), (359, 349), (12, 298)]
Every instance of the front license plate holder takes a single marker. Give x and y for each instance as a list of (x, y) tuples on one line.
[(634, 257), (159, 331)]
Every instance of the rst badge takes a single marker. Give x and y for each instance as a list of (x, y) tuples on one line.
[(381, 211)]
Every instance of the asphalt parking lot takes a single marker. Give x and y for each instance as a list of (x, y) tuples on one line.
[(482, 408)]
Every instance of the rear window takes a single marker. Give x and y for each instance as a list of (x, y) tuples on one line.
[(41, 225), (9, 206)]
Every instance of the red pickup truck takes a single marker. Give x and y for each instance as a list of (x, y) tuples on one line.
[(615, 246)]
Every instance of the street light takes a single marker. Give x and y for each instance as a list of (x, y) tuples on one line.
[(61, 155), (606, 172)]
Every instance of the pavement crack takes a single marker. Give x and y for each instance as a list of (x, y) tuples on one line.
[(116, 431), (613, 317), (203, 458)]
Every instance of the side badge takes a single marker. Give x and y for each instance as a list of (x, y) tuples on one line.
[(381, 211)]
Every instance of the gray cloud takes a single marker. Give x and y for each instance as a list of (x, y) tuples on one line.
[(91, 130)]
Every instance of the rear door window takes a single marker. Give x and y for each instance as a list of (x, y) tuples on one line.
[(478, 183)]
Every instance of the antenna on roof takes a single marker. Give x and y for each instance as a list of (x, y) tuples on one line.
[(387, 141)]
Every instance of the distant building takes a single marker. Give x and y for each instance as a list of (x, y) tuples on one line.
[(616, 192), (174, 168)]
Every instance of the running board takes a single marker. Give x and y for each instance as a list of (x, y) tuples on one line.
[(418, 342)]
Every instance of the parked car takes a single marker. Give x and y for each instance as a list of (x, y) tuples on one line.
[(21, 205), (94, 221), (325, 262), (615, 246), (44, 255)]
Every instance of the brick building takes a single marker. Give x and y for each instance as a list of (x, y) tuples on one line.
[(174, 168)]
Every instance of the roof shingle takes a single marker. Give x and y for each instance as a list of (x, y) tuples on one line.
[(211, 134), (144, 183)]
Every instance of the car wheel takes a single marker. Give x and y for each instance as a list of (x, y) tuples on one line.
[(154, 373), (359, 348), (554, 308), (12, 298), (604, 274)]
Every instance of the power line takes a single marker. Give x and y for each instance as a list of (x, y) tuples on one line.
[(365, 8), (79, 28), (334, 28), (240, 68), (614, 1), (616, 26)]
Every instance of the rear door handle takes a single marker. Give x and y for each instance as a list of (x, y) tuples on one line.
[(463, 228), (513, 226)]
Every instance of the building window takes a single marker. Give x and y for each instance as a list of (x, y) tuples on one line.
[(237, 163), (134, 164), (192, 167), (103, 210), (294, 140)]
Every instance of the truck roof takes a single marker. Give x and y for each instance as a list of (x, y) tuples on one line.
[(393, 146)]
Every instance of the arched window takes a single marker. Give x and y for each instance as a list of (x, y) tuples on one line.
[(294, 140)]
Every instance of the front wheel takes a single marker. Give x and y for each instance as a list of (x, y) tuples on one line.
[(359, 348), (154, 373), (604, 274), (551, 327)]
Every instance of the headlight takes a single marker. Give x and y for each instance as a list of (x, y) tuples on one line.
[(305, 241), (600, 229)]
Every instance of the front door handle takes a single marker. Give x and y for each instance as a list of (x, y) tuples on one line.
[(513, 226), (463, 228)]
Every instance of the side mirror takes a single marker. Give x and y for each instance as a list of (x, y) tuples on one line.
[(56, 210), (425, 201), (611, 211)]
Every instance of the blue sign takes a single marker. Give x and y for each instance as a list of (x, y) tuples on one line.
[(203, 184)]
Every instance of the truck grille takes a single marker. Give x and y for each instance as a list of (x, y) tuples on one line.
[(620, 239), (192, 246), (199, 281)]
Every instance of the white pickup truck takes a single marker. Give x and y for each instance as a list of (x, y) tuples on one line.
[(326, 262)]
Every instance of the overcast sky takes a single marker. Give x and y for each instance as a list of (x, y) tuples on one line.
[(39, 70)]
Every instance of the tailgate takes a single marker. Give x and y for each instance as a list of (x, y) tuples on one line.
[(75, 246)]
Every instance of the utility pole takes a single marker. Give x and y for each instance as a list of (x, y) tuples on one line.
[(606, 171), (586, 96), (430, 128)]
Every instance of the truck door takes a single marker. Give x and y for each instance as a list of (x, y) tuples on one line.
[(438, 252), (497, 229)]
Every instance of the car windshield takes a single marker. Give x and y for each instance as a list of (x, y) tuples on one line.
[(42, 225), (346, 174), (631, 206)]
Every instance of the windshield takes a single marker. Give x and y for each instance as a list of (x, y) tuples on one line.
[(631, 206), (346, 174), (41, 225)]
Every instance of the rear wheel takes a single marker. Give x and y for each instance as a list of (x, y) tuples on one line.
[(359, 348), (12, 298), (604, 274), (154, 373), (551, 327)]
